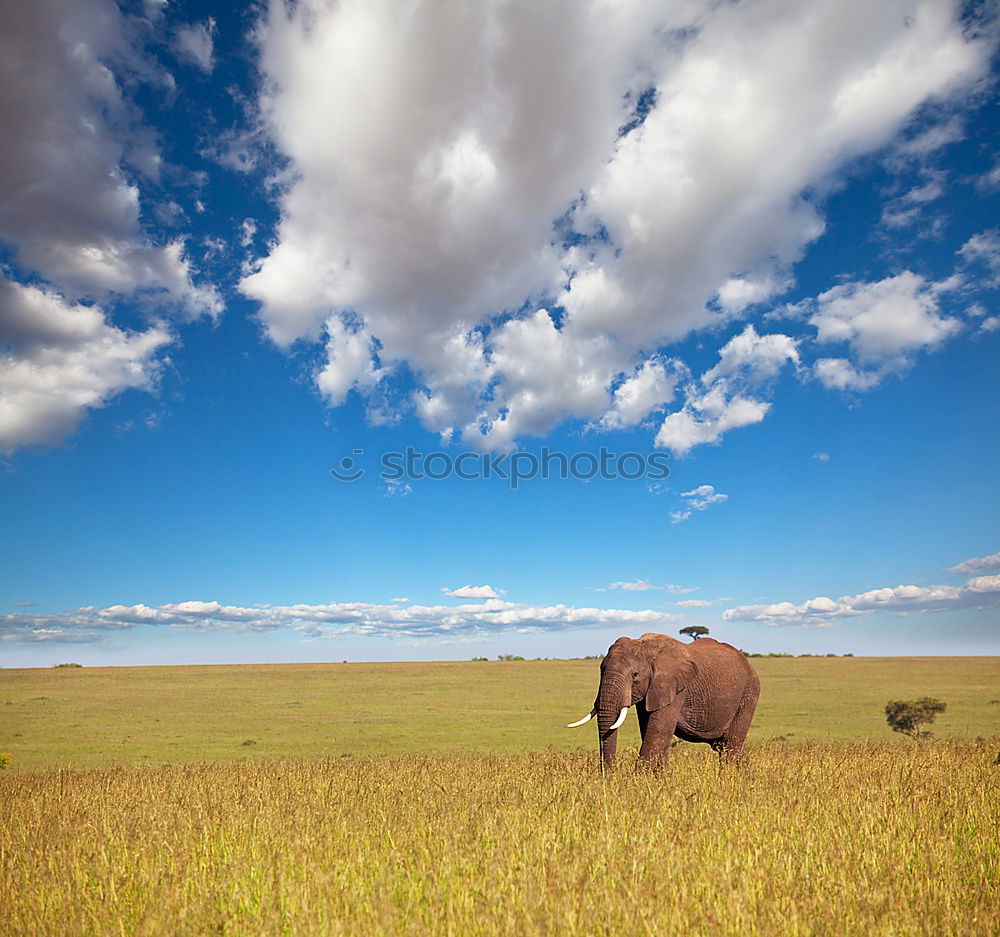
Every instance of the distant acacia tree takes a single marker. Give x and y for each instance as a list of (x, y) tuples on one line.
[(694, 631), (907, 716)]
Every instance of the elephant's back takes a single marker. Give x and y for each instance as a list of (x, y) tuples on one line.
[(722, 663)]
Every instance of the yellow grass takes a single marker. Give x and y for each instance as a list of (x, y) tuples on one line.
[(865, 838)]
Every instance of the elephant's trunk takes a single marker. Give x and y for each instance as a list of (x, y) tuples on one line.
[(612, 703)]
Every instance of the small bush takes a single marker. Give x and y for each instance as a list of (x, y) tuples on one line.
[(61, 666), (5, 759), (509, 657), (907, 716)]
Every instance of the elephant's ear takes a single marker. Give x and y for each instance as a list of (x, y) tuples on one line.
[(671, 674)]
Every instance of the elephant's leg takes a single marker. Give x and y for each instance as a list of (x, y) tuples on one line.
[(660, 726), (732, 749), (643, 716)]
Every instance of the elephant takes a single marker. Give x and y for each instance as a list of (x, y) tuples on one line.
[(705, 691)]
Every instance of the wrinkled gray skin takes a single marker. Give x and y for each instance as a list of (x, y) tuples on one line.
[(705, 691)]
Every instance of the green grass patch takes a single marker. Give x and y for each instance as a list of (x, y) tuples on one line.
[(94, 717)]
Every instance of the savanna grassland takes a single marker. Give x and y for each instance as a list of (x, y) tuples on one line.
[(848, 838), (481, 815), (122, 715)]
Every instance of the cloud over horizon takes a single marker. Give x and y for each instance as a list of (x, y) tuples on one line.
[(978, 564), (331, 620), (980, 592)]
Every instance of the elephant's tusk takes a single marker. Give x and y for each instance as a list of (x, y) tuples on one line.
[(619, 720), (585, 719)]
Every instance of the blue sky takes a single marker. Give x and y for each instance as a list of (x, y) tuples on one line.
[(239, 246)]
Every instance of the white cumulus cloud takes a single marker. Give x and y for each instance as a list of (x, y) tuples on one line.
[(886, 319), (977, 564), (982, 592), (725, 397), (59, 359), (676, 589), (840, 374), (984, 249), (884, 323), (697, 499), (194, 44), (649, 387), (470, 184), (706, 417), (704, 496), (473, 592), (632, 585), (74, 148), (332, 620), (756, 358), (70, 210)]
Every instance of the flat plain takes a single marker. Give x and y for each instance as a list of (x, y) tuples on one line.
[(135, 805), (95, 717)]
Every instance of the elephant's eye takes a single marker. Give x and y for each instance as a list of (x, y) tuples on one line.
[(635, 676)]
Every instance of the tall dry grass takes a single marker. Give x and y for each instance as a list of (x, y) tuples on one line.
[(834, 840)]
